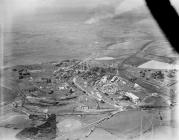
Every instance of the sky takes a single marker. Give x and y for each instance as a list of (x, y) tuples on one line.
[(18, 7)]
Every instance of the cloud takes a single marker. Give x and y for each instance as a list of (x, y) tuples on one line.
[(23, 6), (128, 5), (29, 6), (18, 7), (15, 8), (108, 10), (175, 3)]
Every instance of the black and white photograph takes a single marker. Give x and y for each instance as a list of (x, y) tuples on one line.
[(89, 69)]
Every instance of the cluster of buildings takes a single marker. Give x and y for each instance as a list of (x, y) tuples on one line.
[(116, 85)]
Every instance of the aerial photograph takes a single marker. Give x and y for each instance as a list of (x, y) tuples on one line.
[(86, 70)]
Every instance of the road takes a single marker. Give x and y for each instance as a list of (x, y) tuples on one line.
[(142, 49)]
